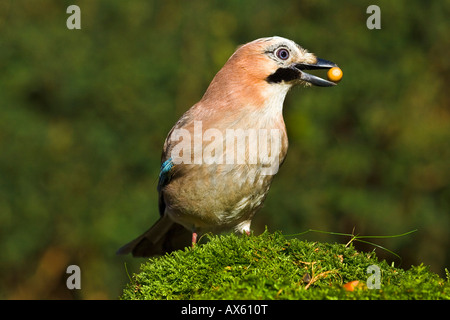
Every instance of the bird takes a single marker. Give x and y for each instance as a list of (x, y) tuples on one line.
[(219, 159)]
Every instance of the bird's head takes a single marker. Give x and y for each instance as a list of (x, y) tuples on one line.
[(262, 64), (278, 60)]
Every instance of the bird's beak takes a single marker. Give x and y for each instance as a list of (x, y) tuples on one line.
[(317, 81)]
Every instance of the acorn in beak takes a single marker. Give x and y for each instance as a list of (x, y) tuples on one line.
[(315, 80)]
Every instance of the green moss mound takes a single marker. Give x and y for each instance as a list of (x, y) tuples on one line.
[(272, 266)]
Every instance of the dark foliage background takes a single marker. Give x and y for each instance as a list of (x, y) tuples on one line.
[(84, 114)]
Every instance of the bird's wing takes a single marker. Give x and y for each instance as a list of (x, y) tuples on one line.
[(168, 168), (165, 173)]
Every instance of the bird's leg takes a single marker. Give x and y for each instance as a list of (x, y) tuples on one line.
[(194, 239)]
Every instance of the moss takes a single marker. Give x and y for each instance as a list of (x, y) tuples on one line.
[(272, 266)]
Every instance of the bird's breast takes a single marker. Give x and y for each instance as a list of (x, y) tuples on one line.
[(224, 163)]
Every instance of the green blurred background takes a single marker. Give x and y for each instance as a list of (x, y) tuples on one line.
[(84, 114)]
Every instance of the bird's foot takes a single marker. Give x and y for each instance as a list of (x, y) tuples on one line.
[(194, 239)]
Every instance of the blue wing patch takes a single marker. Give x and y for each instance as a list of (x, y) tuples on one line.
[(165, 173)]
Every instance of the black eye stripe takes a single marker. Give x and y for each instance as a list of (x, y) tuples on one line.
[(283, 74)]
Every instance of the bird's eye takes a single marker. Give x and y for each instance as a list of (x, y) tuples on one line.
[(282, 54)]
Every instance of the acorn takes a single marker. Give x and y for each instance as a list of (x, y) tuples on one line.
[(334, 74)]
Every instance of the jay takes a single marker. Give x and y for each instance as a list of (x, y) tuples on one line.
[(220, 158)]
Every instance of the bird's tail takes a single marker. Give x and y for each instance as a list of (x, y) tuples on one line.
[(164, 236)]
